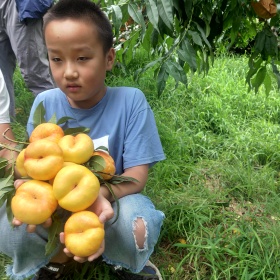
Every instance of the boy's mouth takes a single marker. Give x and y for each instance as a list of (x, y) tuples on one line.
[(73, 87)]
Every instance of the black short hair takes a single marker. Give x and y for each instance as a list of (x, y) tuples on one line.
[(84, 10)]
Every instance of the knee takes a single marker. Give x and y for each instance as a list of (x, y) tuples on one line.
[(140, 232)]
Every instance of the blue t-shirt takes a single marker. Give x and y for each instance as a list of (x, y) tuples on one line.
[(123, 121)]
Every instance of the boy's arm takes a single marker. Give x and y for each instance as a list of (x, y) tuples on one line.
[(139, 173)]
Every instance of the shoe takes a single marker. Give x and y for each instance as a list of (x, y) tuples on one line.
[(51, 271), (149, 272)]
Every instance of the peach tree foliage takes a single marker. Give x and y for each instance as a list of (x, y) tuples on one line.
[(181, 36)]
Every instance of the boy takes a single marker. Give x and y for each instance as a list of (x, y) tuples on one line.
[(79, 40)]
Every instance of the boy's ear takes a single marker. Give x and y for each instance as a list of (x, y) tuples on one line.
[(110, 59)]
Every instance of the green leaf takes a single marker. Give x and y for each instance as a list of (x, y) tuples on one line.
[(39, 115), (53, 234), (103, 148), (119, 52), (275, 20), (162, 77), (166, 13), (2, 201), (267, 84), (152, 13), (3, 163), (137, 16), (177, 72), (154, 38), (117, 18), (276, 73), (149, 65), (117, 179), (203, 35), (205, 61), (259, 42), (188, 8), (52, 119), (6, 188), (9, 212), (123, 6), (115, 198), (99, 177), (2, 172), (4, 193), (96, 163), (254, 67), (227, 21), (130, 47), (235, 28), (76, 130), (259, 78), (196, 38), (270, 46), (6, 182), (63, 120), (146, 43), (188, 54)]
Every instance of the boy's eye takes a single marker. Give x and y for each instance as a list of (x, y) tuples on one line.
[(82, 58), (56, 59)]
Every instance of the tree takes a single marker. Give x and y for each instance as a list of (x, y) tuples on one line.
[(182, 35)]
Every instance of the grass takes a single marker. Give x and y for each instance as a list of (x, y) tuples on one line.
[(219, 186)]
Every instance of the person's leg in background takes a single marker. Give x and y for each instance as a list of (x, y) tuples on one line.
[(7, 56), (31, 54), (23, 42)]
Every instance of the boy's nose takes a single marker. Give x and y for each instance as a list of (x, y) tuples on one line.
[(70, 72)]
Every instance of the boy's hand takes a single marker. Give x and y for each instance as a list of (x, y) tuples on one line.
[(79, 259), (32, 228), (103, 208)]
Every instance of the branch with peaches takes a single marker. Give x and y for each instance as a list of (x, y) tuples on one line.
[(62, 171)]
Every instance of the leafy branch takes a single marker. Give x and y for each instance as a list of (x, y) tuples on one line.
[(116, 200), (181, 36), (7, 189), (96, 165)]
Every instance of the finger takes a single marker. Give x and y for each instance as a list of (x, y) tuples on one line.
[(98, 253), (19, 182), (102, 218), (62, 237), (65, 250), (68, 253), (16, 222), (31, 228), (47, 223), (79, 259), (106, 215)]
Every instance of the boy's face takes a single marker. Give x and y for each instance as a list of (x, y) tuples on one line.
[(77, 60)]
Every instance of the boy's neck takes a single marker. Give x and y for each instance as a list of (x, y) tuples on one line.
[(87, 103)]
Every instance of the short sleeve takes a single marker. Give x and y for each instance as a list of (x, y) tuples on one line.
[(142, 143), (4, 101)]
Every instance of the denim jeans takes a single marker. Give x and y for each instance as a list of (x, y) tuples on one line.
[(27, 250)]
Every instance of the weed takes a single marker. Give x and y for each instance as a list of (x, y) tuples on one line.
[(219, 186)]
